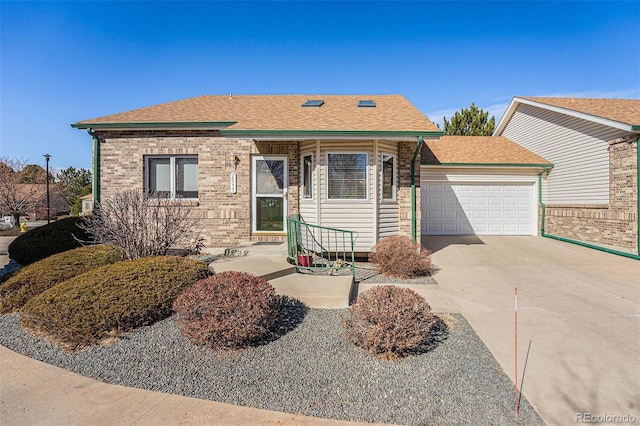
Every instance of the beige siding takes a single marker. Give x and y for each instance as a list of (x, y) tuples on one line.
[(358, 215), (578, 148), (388, 212), (308, 206)]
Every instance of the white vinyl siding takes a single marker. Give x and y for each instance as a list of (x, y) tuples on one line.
[(309, 206), (354, 215), (388, 211), (369, 217), (578, 149)]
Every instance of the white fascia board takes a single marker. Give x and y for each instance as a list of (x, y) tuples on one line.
[(595, 119), (506, 117)]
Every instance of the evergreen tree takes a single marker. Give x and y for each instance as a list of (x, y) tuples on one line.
[(470, 122), (74, 184)]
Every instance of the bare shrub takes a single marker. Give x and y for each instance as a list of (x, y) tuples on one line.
[(142, 225), (398, 256), (227, 310), (390, 322)]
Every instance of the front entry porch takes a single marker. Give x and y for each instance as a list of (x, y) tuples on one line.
[(315, 291)]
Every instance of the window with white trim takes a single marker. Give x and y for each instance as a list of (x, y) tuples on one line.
[(173, 177), (388, 177), (307, 176), (347, 177)]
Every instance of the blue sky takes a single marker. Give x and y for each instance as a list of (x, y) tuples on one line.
[(63, 62)]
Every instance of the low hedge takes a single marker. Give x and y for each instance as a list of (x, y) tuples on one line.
[(47, 240), (111, 299), (44, 274)]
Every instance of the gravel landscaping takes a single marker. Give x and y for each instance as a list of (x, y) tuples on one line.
[(306, 368)]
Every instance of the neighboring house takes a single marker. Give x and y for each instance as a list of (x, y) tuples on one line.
[(58, 204), (591, 196), (246, 162), (482, 185)]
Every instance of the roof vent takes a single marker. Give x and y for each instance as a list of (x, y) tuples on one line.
[(313, 103), (366, 103)]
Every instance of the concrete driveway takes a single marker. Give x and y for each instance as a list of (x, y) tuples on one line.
[(579, 307)]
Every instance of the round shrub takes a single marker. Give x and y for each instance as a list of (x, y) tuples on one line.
[(389, 322), (46, 273), (111, 299), (398, 256), (47, 240), (227, 310)]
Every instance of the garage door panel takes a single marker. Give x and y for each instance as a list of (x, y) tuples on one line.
[(478, 208), (450, 214)]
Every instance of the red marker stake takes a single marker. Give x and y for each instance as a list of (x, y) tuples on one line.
[(515, 348)]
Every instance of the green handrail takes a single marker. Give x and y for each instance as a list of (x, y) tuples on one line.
[(320, 248)]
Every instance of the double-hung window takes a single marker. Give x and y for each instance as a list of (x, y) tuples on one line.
[(347, 177), (172, 176)]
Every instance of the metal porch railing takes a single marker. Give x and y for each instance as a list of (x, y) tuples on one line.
[(320, 248)]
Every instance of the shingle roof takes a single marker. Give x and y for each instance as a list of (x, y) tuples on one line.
[(477, 150), (622, 110), (282, 112)]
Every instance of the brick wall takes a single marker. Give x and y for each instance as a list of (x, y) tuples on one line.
[(615, 225), (226, 217), (405, 154)]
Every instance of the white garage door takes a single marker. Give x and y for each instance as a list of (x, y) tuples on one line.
[(474, 208)]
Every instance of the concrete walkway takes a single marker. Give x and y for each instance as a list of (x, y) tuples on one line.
[(35, 393), (579, 307)]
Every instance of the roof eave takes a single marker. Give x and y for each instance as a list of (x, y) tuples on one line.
[(589, 117), (519, 165), (215, 125), (506, 117), (258, 133)]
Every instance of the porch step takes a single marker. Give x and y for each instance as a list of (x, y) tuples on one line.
[(316, 291), (267, 267)]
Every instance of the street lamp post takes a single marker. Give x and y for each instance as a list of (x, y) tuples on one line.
[(47, 157)]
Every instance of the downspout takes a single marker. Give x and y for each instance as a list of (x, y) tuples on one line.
[(592, 246), (413, 189), (543, 207), (96, 168)]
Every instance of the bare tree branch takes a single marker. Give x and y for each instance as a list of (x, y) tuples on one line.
[(142, 225), (16, 198)]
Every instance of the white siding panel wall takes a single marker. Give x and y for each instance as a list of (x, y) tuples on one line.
[(308, 206), (354, 215), (578, 148), (388, 211)]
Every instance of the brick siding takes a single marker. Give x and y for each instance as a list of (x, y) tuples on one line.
[(615, 225), (226, 217), (405, 154)]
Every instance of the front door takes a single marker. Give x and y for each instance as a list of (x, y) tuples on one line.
[(269, 183)]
